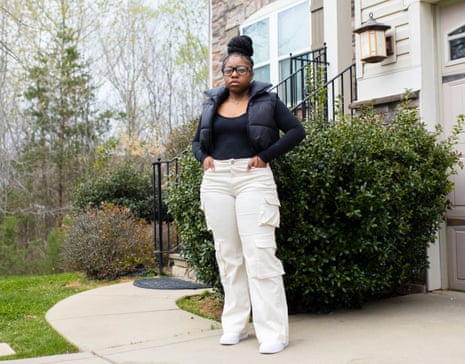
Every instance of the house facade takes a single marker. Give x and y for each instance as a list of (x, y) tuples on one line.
[(427, 57)]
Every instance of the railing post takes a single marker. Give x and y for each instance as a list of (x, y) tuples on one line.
[(160, 218), (157, 213), (154, 207)]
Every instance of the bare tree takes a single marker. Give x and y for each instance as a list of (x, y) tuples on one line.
[(156, 66), (11, 123)]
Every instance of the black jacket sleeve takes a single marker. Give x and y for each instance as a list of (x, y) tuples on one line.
[(293, 129), (198, 153)]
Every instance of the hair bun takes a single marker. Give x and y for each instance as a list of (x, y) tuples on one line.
[(241, 44)]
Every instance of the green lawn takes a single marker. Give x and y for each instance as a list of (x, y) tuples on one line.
[(24, 301)]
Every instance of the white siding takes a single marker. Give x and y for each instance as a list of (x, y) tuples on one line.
[(398, 72), (413, 66)]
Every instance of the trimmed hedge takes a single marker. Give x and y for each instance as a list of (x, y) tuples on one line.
[(123, 186), (361, 202)]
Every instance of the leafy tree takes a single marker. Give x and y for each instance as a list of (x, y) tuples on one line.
[(124, 186), (65, 129)]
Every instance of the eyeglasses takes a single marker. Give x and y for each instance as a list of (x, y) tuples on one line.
[(241, 70)]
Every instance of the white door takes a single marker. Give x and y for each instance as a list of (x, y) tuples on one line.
[(454, 104), (452, 42)]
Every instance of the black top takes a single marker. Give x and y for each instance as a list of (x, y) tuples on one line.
[(266, 117), (230, 138)]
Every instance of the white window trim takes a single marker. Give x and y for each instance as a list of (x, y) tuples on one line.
[(274, 7), (448, 38)]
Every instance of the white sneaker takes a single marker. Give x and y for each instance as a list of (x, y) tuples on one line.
[(272, 348), (232, 338)]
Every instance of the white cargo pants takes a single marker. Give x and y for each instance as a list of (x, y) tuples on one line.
[(242, 209)]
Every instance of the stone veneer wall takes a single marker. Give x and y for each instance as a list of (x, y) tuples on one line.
[(226, 18)]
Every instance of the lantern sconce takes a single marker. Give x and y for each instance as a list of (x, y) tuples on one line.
[(374, 45)]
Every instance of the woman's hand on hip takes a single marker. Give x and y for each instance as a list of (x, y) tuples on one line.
[(256, 162), (208, 163)]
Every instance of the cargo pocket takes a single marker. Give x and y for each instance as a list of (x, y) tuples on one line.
[(267, 265), (269, 213)]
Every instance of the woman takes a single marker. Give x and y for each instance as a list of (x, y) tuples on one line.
[(237, 136)]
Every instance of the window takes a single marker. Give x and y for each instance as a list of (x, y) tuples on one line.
[(456, 40), (260, 34), (278, 30)]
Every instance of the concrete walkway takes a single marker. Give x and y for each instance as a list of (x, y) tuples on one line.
[(124, 324)]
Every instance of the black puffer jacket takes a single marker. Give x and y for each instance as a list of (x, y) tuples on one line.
[(267, 116)]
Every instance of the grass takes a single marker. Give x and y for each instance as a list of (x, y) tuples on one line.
[(24, 301), (207, 304)]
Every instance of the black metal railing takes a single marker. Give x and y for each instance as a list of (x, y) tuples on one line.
[(165, 238), (304, 70), (332, 98)]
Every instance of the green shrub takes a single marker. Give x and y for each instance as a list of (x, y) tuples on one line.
[(361, 202), (370, 200), (107, 243), (123, 186), (183, 200)]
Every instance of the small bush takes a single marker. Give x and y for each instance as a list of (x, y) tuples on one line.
[(361, 202), (124, 186), (107, 243)]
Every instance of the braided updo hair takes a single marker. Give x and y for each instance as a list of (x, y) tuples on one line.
[(240, 45)]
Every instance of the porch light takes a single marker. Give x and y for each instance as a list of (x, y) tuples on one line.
[(372, 40)]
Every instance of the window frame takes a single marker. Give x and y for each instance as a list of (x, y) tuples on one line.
[(450, 36), (271, 12)]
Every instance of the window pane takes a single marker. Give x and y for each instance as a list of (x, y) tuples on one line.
[(284, 68), (293, 29), (259, 32), (262, 73), (457, 48), (292, 88)]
